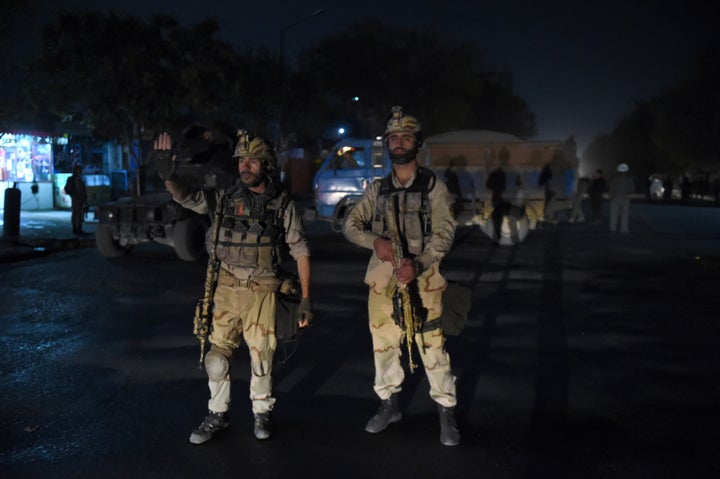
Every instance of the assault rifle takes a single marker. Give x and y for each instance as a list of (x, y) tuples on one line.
[(404, 311), (203, 309)]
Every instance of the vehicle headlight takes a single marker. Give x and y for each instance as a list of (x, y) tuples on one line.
[(152, 215)]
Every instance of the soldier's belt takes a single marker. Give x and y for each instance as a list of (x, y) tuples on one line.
[(257, 285)]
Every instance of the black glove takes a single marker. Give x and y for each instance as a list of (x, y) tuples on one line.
[(304, 311), (165, 164)]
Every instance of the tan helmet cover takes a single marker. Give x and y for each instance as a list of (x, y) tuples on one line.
[(402, 122), (249, 146)]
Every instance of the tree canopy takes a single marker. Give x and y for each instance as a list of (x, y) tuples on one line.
[(121, 77), (442, 83), (126, 78), (13, 110), (675, 132)]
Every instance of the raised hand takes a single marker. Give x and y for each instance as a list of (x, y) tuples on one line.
[(164, 159)]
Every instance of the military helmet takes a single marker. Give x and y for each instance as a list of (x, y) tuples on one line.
[(252, 146), (401, 122)]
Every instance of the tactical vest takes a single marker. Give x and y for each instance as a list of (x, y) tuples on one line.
[(414, 215), (252, 241)]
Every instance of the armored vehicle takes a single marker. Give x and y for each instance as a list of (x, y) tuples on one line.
[(204, 161)]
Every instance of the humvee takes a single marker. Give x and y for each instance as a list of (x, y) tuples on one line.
[(204, 161)]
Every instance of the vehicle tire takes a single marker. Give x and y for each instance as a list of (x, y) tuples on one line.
[(107, 245), (189, 238), (338, 224)]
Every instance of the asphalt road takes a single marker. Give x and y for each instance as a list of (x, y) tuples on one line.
[(587, 355)]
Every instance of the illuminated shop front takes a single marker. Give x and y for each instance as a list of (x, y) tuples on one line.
[(26, 163), (39, 165)]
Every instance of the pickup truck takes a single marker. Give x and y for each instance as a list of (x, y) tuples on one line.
[(341, 180)]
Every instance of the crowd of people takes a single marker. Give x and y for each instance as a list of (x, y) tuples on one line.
[(618, 189), (684, 188), (623, 185)]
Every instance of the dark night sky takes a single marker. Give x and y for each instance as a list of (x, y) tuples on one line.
[(579, 65)]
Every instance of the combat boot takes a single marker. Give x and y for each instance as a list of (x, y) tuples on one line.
[(386, 415), (213, 422), (449, 432), (262, 425)]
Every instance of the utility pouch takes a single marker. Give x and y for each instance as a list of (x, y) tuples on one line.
[(290, 284), (412, 221), (286, 323), (456, 301), (286, 310), (246, 254)]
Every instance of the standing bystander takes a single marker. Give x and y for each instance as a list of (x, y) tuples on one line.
[(75, 188), (496, 183), (580, 190), (619, 191), (453, 183), (598, 185)]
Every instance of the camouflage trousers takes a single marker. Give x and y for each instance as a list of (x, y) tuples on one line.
[(388, 339), (240, 313)]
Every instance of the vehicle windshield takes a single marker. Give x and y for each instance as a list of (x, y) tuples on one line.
[(348, 158)]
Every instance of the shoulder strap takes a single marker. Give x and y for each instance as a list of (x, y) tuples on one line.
[(386, 185), (424, 182), (284, 201)]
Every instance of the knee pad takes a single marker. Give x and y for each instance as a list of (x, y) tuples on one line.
[(217, 365)]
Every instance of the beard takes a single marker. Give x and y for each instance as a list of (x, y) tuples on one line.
[(251, 180), (400, 156)]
